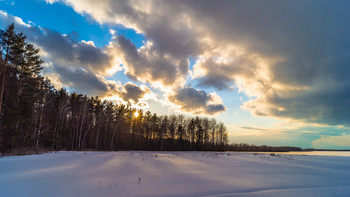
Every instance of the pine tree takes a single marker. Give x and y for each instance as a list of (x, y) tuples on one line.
[(34, 114), (20, 88)]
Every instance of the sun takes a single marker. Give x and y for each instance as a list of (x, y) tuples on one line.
[(136, 114)]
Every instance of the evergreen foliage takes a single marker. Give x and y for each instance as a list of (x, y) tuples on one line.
[(33, 114)]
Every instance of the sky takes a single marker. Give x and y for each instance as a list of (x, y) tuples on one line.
[(274, 72)]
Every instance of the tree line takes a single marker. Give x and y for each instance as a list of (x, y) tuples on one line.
[(33, 114), (263, 148)]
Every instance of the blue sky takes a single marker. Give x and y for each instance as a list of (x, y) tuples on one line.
[(274, 72)]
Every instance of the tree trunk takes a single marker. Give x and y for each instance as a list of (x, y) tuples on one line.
[(81, 126), (3, 82), (40, 122), (98, 132), (114, 131)]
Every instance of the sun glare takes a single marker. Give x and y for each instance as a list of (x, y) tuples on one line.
[(136, 114)]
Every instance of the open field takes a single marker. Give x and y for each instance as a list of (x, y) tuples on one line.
[(173, 174)]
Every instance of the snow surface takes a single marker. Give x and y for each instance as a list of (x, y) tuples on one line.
[(173, 174)]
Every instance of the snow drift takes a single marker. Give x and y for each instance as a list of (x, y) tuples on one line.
[(173, 174)]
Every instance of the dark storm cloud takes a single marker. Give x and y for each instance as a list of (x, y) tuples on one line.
[(255, 128), (82, 81), (215, 108), (63, 49), (147, 64), (165, 59), (133, 92), (66, 50), (330, 106), (221, 75), (196, 101), (311, 37), (212, 80)]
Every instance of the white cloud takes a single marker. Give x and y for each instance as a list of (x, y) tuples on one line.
[(3, 13), (90, 42), (52, 1)]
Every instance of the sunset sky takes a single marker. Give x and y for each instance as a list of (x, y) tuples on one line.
[(275, 72)]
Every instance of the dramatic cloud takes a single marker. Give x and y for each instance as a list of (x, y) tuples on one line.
[(81, 81), (133, 93), (290, 57), (87, 82), (328, 106), (255, 129), (64, 49), (148, 65), (81, 66), (67, 51), (304, 56), (226, 65), (197, 101)]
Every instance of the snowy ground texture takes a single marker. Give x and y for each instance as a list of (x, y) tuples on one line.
[(173, 174)]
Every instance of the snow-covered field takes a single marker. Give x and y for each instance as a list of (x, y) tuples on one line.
[(173, 174)]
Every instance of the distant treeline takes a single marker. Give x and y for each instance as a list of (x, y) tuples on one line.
[(262, 148), (33, 114), (313, 149)]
